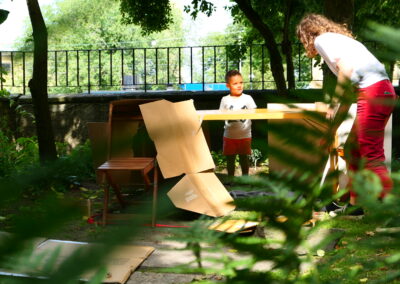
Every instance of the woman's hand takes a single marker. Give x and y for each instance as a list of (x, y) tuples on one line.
[(330, 113)]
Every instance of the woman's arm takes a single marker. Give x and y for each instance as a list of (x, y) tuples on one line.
[(344, 93)]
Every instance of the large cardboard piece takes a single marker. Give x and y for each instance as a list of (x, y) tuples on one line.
[(120, 264), (202, 193), (178, 137), (182, 149), (275, 164)]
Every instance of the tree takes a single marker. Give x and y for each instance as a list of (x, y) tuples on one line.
[(333, 9), (80, 24), (266, 32), (385, 12), (268, 22), (38, 85), (85, 25), (3, 15), (281, 17)]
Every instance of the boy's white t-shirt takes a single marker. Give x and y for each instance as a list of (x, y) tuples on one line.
[(333, 47), (237, 129)]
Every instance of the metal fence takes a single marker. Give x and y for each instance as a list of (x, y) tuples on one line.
[(157, 68)]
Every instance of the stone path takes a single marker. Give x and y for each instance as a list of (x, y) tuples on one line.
[(169, 254)]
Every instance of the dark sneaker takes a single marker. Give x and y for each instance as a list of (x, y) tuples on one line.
[(350, 210), (353, 210), (332, 207)]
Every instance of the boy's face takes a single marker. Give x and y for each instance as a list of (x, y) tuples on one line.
[(235, 85)]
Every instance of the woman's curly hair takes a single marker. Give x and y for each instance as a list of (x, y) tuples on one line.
[(313, 25)]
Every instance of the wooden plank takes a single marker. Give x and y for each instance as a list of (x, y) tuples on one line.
[(260, 113)]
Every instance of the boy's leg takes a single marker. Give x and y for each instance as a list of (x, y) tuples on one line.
[(230, 164), (244, 164)]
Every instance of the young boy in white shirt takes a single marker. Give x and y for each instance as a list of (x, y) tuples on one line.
[(237, 133)]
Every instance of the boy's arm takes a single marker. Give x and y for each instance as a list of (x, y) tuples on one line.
[(222, 104), (252, 104)]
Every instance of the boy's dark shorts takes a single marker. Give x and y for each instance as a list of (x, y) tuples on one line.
[(237, 146)]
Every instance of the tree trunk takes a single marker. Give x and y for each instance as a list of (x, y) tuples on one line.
[(287, 45), (38, 84), (265, 31)]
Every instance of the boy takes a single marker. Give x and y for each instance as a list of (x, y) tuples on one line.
[(237, 133)]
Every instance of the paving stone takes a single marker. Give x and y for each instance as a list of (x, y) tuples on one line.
[(139, 277)]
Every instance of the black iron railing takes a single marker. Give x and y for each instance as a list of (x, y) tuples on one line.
[(157, 68)]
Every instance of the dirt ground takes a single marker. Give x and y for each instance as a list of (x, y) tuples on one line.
[(89, 227)]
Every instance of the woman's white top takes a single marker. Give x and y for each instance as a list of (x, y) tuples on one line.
[(366, 69), (241, 128)]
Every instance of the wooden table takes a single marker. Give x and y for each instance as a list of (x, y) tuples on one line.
[(283, 112), (259, 113)]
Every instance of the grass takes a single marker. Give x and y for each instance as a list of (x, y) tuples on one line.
[(353, 255)]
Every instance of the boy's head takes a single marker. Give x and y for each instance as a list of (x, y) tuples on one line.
[(234, 82)]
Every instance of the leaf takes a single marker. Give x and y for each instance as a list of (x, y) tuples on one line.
[(363, 280), (281, 219)]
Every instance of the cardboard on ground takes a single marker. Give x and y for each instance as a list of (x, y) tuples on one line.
[(202, 193), (232, 226), (120, 264), (178, 137)]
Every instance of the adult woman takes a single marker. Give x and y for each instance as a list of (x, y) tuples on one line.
[(350, 60)]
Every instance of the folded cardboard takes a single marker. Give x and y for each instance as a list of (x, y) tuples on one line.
[(202, 193), (176, 131), (233, 226), (120, 264), (181, 147)]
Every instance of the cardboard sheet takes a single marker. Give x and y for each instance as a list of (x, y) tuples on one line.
[(275, 164), (176, 131), (232, 226), (202, 193), (120, 264)]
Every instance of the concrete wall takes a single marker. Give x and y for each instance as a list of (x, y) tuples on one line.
[(70, 113)]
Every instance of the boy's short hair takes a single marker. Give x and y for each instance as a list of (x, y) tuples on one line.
[(230, 74)]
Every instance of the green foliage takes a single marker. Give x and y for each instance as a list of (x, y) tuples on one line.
[(255, 157), (3, 15), (49, 215), (152, 15), (202, 6), (83, 25), (17, 155), (368, 254), (384, 12), (80, 24), (219, 159), (21, 155)]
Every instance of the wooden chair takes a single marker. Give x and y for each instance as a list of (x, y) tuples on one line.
[(123, 120)]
